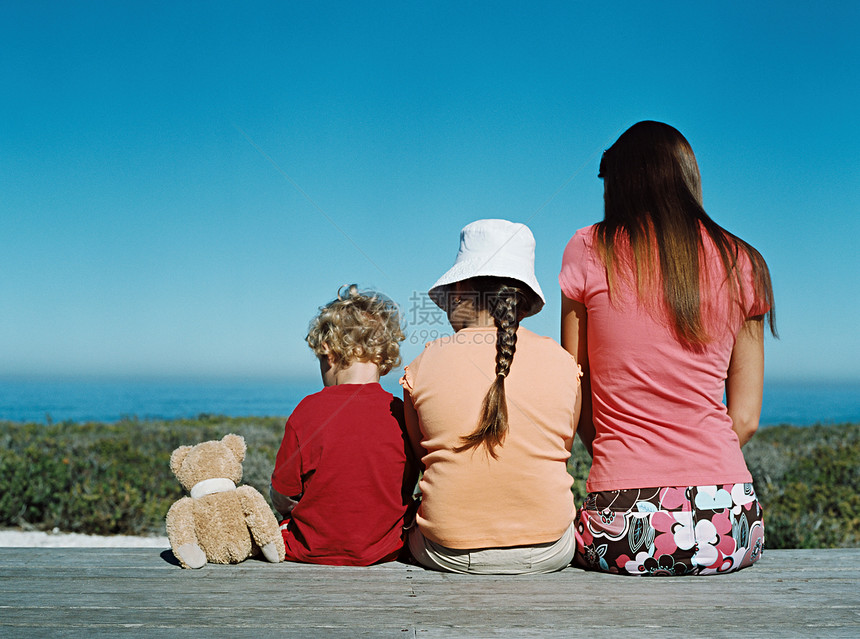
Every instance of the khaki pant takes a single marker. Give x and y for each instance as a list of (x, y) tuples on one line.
[(515, 560)]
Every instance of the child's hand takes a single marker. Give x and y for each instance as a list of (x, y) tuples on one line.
[(283, 504)]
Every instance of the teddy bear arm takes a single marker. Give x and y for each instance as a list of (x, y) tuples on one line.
[(182, 535), (262, 523)]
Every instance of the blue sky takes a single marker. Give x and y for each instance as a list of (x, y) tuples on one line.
[(183, 184)]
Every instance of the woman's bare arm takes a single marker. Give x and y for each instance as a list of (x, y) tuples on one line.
[(413, 430), (745, 379), (574, 318)]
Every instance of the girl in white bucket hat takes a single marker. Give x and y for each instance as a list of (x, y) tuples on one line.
[(491, 413)]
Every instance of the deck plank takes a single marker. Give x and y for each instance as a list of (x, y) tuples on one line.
[(84, 592)]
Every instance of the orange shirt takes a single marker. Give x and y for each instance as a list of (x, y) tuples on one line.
[(470, 499)]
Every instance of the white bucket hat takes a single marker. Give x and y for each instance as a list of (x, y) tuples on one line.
[(497, 248)]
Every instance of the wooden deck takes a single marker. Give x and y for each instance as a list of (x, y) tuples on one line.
[(48, 593)]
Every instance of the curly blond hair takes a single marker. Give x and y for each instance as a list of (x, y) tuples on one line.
[(358, 326)]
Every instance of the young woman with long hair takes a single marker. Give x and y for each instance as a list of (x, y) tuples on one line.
[(491, 413), (665, 310)]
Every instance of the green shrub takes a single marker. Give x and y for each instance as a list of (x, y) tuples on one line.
[(578, 466), (808, 481), (115, 478)]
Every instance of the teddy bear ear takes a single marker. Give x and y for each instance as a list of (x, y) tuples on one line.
[(177, 457), (236, 444)]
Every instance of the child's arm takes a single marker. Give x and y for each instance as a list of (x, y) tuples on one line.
[(286, 486), (282, 503), (411, 468)]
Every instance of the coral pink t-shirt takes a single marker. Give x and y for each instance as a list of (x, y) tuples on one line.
[(522, 497), (657, 407)]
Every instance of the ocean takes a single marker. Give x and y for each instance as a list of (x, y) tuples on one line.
[(109, 400)]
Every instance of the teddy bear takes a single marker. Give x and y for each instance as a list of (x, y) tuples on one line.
[(219, 522)]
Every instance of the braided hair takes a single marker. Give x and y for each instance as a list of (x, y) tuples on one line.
[(504, 299)]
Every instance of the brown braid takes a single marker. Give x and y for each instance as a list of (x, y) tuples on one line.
[(503, 302)]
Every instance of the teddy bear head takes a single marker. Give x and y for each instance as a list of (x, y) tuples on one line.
[(209, 460)]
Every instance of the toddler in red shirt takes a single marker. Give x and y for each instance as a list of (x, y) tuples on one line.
[(343, 480)]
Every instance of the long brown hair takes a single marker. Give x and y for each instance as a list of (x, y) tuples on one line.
[(653, 226), (506, 300)]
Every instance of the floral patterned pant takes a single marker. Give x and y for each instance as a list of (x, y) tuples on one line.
[(694, 530)]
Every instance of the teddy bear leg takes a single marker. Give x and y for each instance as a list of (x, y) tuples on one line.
[(272, 553), (262, 524), (191, 555), (181, 534)]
